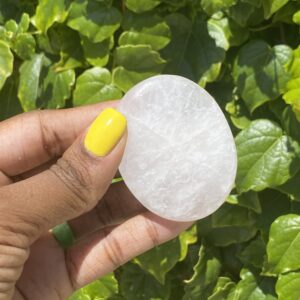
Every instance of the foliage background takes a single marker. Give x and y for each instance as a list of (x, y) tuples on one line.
[(246, 53)]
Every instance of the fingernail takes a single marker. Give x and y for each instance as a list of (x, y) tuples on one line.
[(105, 132)]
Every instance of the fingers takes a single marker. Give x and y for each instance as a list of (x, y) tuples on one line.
[(71, 187), (4, 179), (34, 171), (110, 248), (31, 139), (117, 205)]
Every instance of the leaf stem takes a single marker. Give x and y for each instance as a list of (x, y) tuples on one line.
[(282, 34), (118, 179), (261, 28)]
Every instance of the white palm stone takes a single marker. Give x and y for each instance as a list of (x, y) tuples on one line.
[(180, 159)]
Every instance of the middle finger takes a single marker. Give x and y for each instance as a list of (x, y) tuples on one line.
[(117, 205)]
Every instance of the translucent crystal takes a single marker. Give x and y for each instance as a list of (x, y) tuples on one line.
[(180, 159)]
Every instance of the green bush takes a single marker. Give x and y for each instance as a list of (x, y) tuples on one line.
[(63, 53)]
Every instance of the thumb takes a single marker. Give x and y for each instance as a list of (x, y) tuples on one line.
[(73, 185)]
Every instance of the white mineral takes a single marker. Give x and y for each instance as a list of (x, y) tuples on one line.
[(180, 159)]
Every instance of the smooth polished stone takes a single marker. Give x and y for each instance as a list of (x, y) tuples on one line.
[(180, 159)]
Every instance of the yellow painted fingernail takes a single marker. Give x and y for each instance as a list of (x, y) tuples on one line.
[(105, 132)]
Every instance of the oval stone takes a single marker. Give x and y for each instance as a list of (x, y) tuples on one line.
[(180, 159)]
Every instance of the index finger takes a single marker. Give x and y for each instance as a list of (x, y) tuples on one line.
[(31, 139)]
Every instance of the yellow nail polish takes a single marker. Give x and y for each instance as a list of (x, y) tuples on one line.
[(105, 132)]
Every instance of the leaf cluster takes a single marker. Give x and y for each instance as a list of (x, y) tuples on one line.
[(246, 53)]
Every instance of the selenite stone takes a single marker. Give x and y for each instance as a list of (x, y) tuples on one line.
[(180, 159)]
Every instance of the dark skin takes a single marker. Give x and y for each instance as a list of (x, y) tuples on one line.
[(46, 178)]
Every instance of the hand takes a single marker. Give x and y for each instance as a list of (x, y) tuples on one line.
[(47, 176)]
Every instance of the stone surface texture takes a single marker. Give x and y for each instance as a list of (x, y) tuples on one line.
[(180, 159)]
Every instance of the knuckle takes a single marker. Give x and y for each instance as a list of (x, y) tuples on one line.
[(75, 176), (17, 227), (50, 139), (5, 294), (17, 231), (12, 259), (112, 249), (151, 232)]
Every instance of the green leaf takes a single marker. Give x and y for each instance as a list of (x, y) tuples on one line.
[(16, 36), (67, 43), (287, 286), (286, 13), (97, 54), (271, 6), (266, 157), (226, 32), (294, 67), (253, 287), (136, 284), (241, 12), (57, 87), (213, 6), (253, 254), (206, 273), (291, 187), (290, 123), (230, 260), (194, 51), (101, 289), (176, 51), (135, 64), (148, 29), (232, 215), (222, 289), (239, 114), (249, 200), (93, 19), (9, 102), (12, 27), (260, 72), (292, 91), (93, 86), (6, 63), (24, 46), (295, 103), (284, 245), (174, 5), (161, 259), (224, 236), (296, 18), (140, 6), (145, 58), (49, 12), (295, 207), (273, 204), (24, 23), (187, 238), (29, 81)]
